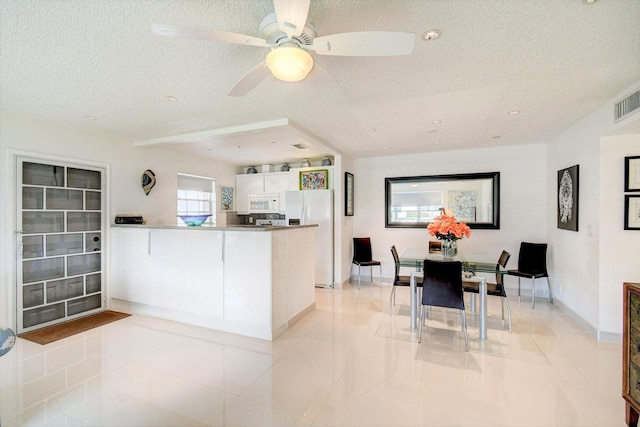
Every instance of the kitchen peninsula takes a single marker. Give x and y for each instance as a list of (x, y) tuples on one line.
[(249, 280)]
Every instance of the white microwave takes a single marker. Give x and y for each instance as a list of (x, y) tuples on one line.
[(264, 203)]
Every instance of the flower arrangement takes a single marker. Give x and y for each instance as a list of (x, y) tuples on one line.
[(446, 227)]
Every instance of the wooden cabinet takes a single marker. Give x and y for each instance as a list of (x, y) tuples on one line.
[(631, 353)]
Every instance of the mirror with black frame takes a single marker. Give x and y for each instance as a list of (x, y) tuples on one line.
[(414, 201)]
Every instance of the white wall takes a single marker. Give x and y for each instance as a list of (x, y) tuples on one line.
[(587, 278), (573, 256), (523, 187), (344, 226), (124, 162), (619, 250)]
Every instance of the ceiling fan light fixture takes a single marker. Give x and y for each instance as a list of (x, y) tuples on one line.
[(289, 63)]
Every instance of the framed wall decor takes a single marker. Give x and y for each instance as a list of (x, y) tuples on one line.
[(632, 212), (314, 179), (348, 194), (415, 201), (568, 198), (632, 173), (226, 198)]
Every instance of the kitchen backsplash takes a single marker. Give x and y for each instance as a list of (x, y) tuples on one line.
[(234, 219)]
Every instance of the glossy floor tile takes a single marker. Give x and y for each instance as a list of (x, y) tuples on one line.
[(348, 363)]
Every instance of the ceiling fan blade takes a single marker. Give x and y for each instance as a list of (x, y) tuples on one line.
[(320, 77), (206, 34), (292, 15), (250, 80), (365, 43)]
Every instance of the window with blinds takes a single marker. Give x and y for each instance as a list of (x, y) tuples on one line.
[(196, 195)]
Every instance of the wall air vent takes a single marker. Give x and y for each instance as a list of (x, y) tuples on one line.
[(625, 107), (300, 146)]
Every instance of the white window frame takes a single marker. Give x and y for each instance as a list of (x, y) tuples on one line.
[(193, 198)]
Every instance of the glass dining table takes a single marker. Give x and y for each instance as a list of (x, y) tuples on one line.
[(473, 261)]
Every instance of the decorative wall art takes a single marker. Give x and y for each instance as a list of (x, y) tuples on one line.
[(568, 198), (632, 212), (463, 204), (226, 198), (632, 173), (314, 180), (148, 181), (348, 194)]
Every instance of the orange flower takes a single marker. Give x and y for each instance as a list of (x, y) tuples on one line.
[(446, 227)]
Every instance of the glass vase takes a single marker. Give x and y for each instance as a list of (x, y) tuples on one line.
[(449, 249)]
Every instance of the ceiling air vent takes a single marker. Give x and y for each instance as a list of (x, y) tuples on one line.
[(300, 146), (627, 106)]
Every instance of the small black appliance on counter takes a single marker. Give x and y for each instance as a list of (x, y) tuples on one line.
[(129, 219)]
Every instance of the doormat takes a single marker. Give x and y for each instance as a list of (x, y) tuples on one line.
[(64, 330)]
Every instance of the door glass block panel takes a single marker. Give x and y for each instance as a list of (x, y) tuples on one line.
[(42, 222), (39, 174), (83, 221), (42, 269), (83, 304), (64, 199), (32, 295), (94, 283), (81, 178), (32, 247), (64, 244), (32, 198), (92, 242), (59, 290), (40, 315), (80, 264), (93, 200)]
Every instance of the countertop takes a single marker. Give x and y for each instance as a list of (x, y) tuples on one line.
[(228, 228)]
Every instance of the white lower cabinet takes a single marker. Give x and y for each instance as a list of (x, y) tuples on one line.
[(252, 283), (247, 274), (130, 265), (168, 268)]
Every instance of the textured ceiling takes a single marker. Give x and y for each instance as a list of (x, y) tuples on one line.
[(553, 60)]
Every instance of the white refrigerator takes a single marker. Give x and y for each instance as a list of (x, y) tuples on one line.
[(315, 207)]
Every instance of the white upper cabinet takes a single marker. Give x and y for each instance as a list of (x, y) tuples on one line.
[(259, 183)]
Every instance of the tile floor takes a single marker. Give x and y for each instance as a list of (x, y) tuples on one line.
[(346, 364)]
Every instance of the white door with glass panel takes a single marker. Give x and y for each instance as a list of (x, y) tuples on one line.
[(60, 240)]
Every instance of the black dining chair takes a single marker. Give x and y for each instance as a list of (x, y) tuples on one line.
[(399, 280), (435, 246), (532, 264), (493, 289), (362, 257), (442, 287)]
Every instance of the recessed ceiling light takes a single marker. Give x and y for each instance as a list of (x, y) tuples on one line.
[(436, 142), (373, 130), (513, 112), (436, 122), (90, 117), (170, 98), (432, 34), (386, 148)]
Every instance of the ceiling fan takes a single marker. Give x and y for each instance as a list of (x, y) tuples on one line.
[(290, 36)]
